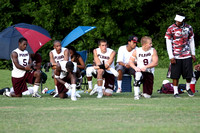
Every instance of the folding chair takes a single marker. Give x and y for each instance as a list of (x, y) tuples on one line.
[(83, 54)]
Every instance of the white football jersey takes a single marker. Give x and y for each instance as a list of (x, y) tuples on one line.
[(59, 57), (124, 55), (105, 57), (23, 59), (144, 58), (64, 70)]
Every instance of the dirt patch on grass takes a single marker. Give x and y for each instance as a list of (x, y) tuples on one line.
[(8, 107), (77, 108)]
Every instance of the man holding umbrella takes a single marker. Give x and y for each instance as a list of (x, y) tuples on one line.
[(22, 72)]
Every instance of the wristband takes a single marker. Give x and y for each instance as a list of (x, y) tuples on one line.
[(107, 64), (57, 77)]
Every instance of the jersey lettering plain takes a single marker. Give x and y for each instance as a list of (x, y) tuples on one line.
[(59, 57), (64, 70), (124, 55), (144, 58), (23, 59), (105, 57)]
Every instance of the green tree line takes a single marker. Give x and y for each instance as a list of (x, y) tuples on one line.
[(115, 20)]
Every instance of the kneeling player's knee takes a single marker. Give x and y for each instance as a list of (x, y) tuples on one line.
[(37, 73), (137, 83), (89, 71), (100, 72), (63, 95)]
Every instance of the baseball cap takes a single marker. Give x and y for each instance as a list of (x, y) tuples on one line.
[(70, 65), (133, 38)]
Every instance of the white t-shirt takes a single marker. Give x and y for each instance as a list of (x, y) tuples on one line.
[(144, 58), (105, 57), (59, 57), (23, 59), (64, 70), (124, 55)]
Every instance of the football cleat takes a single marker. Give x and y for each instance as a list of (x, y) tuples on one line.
[(78, 95), (36, 95), (137, 97), (100, 95), (119, 90), (55, 95), (176, 96), (88, 91), (190, 93), (6, 93), (145, 95), (73, 98), (94, 90)]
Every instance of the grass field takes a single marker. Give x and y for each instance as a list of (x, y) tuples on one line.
[(119, 113)]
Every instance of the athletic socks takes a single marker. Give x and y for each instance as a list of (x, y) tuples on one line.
[(175, 90), (136, 91), (187, 86), (119, 83), (35, 88), (90, 84), (56, 89)]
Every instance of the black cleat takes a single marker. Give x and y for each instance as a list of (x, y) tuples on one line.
[(176, 96), (190, 93)]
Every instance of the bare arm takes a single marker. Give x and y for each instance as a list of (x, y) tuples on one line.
[(14, 57), (66, 55), (132, 62), (52, 60), (154, 61), (96, 59), (57, 74), (110, 61), (82, 64)]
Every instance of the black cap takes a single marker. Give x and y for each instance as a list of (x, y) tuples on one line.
[(133, 38)]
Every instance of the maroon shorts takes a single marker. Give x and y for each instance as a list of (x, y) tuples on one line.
[(19, 84), (61, 87), (148, 79), (109, 80)]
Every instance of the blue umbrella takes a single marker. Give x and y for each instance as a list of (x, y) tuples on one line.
[(76, 33)]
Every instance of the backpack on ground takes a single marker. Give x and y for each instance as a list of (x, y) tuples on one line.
[(168, 88)]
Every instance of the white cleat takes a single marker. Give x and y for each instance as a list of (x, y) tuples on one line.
[(73, 98), (145, 95), (55, 95), (36, 95), (136, 97), (94, 90), (119, 90), (100, 95), (6, 93), (78, 95)]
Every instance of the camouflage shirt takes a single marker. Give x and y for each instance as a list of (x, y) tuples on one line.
[(180, 36)]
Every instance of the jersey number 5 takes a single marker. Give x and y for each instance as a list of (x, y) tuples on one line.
[(24, 62)]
